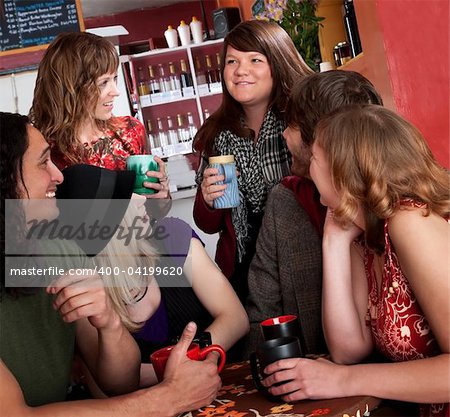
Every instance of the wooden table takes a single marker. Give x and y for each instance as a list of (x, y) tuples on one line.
[(239, 398)]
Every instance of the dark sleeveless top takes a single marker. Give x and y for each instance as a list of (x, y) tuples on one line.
[(179, 304)]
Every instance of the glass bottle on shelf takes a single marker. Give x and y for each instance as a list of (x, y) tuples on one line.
[(162, 134), (183, 135), (199, 73), (142, 84), (183, 132), (175, 83), (185, 75), (153, 141), (153, 82), (218, 68), (210, 73), (171, 132), (192, 128), (164, 81), (351, 27)]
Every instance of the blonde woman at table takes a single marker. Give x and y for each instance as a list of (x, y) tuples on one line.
[(260, 66), (185, 285), (73, 103), (386, 272), (39, 327)]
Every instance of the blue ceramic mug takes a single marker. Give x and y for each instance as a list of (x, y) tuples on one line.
[(226, 166)]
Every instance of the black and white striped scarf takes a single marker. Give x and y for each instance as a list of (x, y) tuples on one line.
[(262, 165)]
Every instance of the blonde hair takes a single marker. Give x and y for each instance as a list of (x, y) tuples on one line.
[(377, 159), (126, 257), (66, 92)]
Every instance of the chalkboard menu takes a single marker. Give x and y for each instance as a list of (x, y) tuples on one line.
[(27, 24)]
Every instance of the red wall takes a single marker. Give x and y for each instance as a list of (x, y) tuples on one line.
[(416, 40), (406, 54), (151, 23)]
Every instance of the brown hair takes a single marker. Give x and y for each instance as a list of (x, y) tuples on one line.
[(377, 159), (286, 66), (320, 94), (66, 90)]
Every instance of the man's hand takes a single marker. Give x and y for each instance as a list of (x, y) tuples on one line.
[(84, 296), (199, 381)]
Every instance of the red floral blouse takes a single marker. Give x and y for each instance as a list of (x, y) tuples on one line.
[(125, 138), (399, 328)]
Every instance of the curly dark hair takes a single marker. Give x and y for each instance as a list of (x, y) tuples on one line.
[(13, 145)]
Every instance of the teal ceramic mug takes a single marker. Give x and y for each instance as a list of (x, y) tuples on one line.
[(140, 164), (226, 166)]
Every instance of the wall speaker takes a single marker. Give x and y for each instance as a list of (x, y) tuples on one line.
[(224, 20)]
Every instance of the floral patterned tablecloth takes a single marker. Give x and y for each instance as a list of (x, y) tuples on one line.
[(239, 398)]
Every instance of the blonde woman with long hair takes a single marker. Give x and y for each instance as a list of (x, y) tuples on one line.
[(160, 277)]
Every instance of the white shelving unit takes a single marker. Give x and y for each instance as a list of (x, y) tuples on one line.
[(202, 97)]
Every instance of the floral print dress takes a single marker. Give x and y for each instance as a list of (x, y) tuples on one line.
[(125, 138), (399, 328)]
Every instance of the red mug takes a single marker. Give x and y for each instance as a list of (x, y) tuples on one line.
[(160, 357)]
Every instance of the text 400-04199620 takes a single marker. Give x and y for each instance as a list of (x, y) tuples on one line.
[(141, 270)]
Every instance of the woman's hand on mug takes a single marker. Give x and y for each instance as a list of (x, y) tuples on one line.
[(210, 190), (306, 379), (161, 187)]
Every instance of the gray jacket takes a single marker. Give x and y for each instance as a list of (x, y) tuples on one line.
[(285, 275)]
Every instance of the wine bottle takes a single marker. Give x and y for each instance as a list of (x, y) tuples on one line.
[(142, 84), (162, 134), (153, 141), (192, 128), (185, 75), (164, 81), (218, 68), (200, 75), (153, 83), (183, 133), (210, 73), (351, 27), (171, 132), (175, 83)]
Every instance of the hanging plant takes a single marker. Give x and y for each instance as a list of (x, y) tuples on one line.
[(299, 20)]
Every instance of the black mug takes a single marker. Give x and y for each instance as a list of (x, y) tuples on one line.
[(269, 352), (281, 326)]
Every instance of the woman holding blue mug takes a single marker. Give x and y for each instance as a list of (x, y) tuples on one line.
[(260, 66)]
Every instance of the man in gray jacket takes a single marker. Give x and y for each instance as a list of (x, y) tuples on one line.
[(285, 275)]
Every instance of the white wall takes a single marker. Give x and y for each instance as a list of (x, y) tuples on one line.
[(17, 92), (183, 208)]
